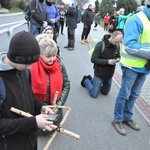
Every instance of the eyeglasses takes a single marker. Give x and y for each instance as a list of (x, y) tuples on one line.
[(116, 42)]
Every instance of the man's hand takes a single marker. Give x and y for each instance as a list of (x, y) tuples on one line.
[(46, 110), (45, 23), (42, 123), (113, 61), (147, 65), (52, 21)]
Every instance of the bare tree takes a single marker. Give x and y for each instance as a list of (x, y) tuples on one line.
[(81, 2)]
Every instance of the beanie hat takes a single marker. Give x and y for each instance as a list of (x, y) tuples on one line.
[(73, 5), (23, 48), (47, 28)]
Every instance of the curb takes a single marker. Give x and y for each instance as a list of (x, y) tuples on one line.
[(11, 14)]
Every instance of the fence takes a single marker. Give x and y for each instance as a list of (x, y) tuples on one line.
[(9, 32)]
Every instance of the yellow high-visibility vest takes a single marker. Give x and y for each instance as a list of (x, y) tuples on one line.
[(132, 61)]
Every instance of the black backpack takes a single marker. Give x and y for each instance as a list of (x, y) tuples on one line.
[(27, 11)]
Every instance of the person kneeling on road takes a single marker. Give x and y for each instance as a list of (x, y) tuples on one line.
[(104, 64)]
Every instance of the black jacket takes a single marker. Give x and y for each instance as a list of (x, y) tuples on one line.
[(100, 59), (72, 18), (88, 17), (18, 132), (38, 12)]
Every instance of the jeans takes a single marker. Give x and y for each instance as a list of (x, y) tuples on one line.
[(97, 85), (34, 30), (132, 83)]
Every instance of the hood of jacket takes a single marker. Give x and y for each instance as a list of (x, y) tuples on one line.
[(3, 66), (146, 11), (107, 43)]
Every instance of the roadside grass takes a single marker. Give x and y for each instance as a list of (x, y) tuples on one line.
[(101, 22), (15, 9)]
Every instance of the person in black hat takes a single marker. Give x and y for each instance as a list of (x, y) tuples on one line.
[(18, 132)]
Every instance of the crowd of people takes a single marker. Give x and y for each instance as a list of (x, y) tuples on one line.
[(32, 70)]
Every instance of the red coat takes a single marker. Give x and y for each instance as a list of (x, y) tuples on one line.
[(106, 19)]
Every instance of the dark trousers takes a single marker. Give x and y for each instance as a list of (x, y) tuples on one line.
[(62, 26), (55, 34), (85, 32), (105, 27), (71, 37)]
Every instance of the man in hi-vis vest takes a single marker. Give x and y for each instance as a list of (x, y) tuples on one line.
[(135, 65)]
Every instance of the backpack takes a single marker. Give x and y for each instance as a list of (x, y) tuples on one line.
[(95, 41), (3, 89), (27, 11)]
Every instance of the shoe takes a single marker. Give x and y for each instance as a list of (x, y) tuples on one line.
[(86, 41), (119, 128), (82, 82), (70, 48), (89, 77), (67, 46), (82, 42), (132, 124)]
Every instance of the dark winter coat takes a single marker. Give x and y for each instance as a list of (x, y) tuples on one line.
[(100, 59), (18, 132), (72, 18), (88, 17), (38, 12), (62, 12)]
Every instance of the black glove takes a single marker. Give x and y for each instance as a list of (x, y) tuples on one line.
[(147, 65)]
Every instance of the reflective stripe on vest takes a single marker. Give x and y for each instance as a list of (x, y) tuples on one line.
[(132, 61)]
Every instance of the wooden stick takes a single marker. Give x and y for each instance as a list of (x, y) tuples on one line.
[(50, 141), (61, 123), (55, 97), (62, 130)]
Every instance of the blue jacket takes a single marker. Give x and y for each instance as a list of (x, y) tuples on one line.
[(52, 13), (133, 30), (121, 20)]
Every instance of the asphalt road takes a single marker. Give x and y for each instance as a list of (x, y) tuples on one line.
[(91, 118)]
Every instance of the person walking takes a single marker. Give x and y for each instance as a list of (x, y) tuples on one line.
[(88, 17), (38, 16), (71, 24), (18, 132), (135, 66), (104, 65), (106, 21)]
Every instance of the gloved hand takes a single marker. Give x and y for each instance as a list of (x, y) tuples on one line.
[(147, 65)]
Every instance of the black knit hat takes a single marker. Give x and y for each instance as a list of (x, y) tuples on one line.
[(23, 48)]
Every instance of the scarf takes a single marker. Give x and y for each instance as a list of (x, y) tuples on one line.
[(49, 3), (39, 78)]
